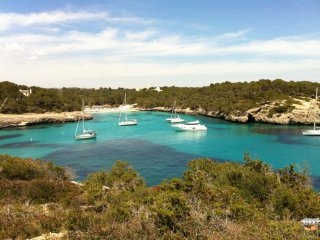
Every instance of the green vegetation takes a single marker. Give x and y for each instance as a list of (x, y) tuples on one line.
[(225, 97), (285, 107), (212, 200)]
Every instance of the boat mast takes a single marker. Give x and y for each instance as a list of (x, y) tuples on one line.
[(314, 123), (75, 134), (83, 115), (125, 104)]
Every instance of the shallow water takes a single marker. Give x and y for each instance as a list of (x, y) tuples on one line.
[(156, 150)]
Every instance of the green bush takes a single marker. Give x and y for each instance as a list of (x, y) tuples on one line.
[(212, 200)]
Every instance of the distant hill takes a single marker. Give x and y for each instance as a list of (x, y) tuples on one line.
[(226, 99)]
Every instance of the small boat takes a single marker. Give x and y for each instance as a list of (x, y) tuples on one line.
[(174, 117), (312, 132), (316, 130), (190, 126), (126, 121), (86, 134)]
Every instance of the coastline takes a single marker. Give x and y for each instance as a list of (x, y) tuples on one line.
[(27, 119), (299, 114)]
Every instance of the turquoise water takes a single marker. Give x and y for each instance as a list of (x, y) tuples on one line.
[(156, 150)]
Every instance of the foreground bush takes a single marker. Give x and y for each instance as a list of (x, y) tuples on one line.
[(211, 200)]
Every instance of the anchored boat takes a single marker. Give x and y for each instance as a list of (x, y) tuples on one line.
[(174, 117), (316, 130), (86, 134), (191, 126), (126, 121)]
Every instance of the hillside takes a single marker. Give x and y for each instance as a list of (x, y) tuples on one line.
[(211, 200), (268, 101)]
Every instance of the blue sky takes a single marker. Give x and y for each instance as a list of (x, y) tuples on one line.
[(135, 43)]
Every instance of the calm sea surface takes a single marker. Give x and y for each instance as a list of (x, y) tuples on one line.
[(156, 150)]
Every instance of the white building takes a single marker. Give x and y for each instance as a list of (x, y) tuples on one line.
[(26, 93), (158, 89)]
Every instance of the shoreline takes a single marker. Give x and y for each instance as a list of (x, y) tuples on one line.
[(28, 119), (259, 114), (255, 115)]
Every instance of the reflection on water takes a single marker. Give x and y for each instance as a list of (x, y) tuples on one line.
[(189, 135), (293, 140), (29, 144), (277, 130), (10, 136)]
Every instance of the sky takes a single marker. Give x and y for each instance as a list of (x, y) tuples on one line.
[(144, 43)]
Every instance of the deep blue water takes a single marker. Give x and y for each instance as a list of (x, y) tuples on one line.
[(156, 150)]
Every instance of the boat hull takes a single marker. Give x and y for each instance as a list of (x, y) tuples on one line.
[(174, 120), (85, 136), (128, 123), (312, 132)]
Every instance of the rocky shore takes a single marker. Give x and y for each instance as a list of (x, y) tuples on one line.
[(18, 120), (277, 112), (299, 111)]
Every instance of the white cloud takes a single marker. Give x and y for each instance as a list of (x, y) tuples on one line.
[(8, 20), (13, 20), (279, 46), (121, 56), (140, 35), (129, 44), (92, 72), (231, 35)]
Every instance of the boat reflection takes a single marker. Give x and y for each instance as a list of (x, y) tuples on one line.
[(190, 135)]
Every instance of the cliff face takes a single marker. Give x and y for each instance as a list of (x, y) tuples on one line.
[(279, 112), (297, 111)]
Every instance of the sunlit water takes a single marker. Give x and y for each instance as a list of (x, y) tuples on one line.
[(156, 150)]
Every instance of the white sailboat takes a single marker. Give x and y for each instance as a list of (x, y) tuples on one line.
[(174, 117), (126, 121), (86, 134), (316, 130), (190, 126)]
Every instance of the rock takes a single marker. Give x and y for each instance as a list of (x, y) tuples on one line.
[(77, 183), (18, 120), (240, 119), (49, 236)]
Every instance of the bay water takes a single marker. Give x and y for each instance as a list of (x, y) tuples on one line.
[(156, 150)]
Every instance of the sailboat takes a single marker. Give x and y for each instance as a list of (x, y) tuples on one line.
[(174, 117), (316, 130), (190, 126), (86, 133), (126, 121)]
